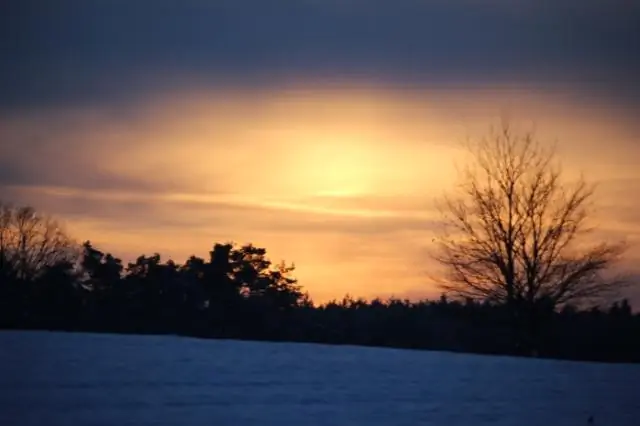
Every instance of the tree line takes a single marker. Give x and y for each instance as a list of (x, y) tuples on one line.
[(46, 282), (516, 280)]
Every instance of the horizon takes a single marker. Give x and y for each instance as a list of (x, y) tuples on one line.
[(327, 148)]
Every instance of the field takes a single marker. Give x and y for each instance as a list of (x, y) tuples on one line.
[(79, 379)]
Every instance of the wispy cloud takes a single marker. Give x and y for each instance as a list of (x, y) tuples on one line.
[(322, 130), (343, 183)]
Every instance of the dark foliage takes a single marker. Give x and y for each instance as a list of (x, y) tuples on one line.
[(238, 293)]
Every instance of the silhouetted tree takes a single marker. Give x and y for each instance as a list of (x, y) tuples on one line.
[(239, 293), (512, 233), (102, 269), (31, 242), (57, 298)]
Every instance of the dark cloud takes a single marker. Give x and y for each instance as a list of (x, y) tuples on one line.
[(76, 50), (67, 173), (72, 154)]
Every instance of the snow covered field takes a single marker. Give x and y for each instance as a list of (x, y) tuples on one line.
[(89, 379)]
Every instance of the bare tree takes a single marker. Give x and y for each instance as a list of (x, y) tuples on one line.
[(515, 233), (30, 242)]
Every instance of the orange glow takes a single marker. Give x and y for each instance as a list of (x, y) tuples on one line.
[(341, 182)]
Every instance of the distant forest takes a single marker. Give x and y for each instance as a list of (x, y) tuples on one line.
[(49, 282)]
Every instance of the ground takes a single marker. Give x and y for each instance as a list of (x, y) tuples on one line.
[(49, 378)]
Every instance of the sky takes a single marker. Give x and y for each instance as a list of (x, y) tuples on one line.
[(321, 130)]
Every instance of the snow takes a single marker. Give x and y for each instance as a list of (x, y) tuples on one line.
[(49, 378)]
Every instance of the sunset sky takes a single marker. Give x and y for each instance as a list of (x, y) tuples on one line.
[(322, 130)]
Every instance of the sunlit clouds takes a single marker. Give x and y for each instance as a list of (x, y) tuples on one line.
[(342, 182), (323, 131)]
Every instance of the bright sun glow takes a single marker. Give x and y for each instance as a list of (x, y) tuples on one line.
[(337, 168)]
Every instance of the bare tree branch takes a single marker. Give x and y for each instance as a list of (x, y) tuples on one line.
[(31, 242), (512, 234)]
